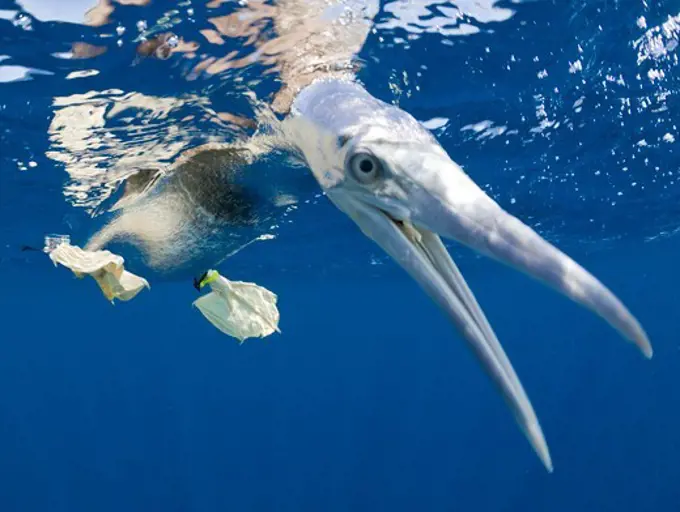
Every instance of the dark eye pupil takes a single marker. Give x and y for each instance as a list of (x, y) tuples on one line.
[(366, 165)]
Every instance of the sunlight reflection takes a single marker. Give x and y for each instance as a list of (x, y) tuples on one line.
[(445, 18), (103, 136), (89, 12)]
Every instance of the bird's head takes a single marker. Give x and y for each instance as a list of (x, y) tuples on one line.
[(387, 172)]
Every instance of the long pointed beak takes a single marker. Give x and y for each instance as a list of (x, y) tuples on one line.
[(477, 221)]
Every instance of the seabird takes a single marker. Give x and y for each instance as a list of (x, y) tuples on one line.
[(388, 173)]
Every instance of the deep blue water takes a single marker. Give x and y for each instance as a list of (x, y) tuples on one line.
[(369, 400)]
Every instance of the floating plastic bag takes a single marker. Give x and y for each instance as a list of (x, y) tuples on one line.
[(238, 309), (103, 266)]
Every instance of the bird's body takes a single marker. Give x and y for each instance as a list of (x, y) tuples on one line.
[(199, 209), (383, 169)]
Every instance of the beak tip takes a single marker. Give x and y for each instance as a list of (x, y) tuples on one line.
[(537, 439), (643, 343)]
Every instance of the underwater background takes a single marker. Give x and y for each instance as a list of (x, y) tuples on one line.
[(565, 112)]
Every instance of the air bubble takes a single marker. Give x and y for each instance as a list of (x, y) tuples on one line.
[(172, 41), (22, 21)]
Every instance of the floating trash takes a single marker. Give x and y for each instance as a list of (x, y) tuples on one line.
[(103, 266), (238, 309)]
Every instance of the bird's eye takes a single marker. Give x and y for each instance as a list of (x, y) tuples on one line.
[(365, 168)]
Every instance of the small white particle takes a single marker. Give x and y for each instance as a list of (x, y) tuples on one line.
[(655, 74), (575, 67)]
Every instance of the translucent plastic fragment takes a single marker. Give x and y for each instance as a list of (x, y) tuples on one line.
[(103, 266), (238, 309), (53, 241)]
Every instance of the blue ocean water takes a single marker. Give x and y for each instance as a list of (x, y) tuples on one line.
[(369, 400)]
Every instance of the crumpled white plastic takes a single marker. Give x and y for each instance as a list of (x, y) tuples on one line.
[(103, 266), (239, 309)]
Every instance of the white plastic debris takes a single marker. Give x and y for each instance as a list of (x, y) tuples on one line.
[(103, 266), (238, 309)]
